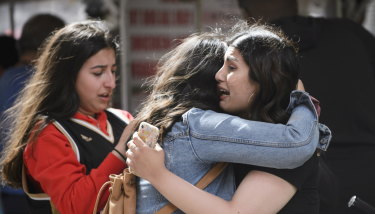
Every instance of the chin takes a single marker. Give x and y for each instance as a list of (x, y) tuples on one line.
[(227, 110), (102, 109)]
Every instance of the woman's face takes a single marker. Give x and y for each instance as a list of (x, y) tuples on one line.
[(234, 84), (96, 81)]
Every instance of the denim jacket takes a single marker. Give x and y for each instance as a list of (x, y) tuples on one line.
[(205, 137)]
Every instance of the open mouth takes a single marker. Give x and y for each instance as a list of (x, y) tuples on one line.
[(106, 95), (222, 92)]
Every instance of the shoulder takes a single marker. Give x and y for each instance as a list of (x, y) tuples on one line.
[(207, 117), (48, 139), (50, 131), (203, 121), (195, 113), (121, 114)]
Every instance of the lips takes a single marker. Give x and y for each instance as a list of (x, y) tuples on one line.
[(105, 96), (222, 92)]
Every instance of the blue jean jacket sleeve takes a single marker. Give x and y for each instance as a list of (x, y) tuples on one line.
[(217, 137)]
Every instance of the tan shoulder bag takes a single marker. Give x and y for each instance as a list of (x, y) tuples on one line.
[(123, 194)]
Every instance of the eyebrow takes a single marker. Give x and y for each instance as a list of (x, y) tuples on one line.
[(101, 66)]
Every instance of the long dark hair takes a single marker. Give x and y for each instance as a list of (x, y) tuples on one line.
[(185, 78), (273, 63), (51, 92)]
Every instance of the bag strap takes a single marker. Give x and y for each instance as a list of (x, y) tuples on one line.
[(202, 183), (100, 195), (124, 137)]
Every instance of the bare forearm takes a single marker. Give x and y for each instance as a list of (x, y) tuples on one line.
[(187, 197), (259, 192), (271, 192)]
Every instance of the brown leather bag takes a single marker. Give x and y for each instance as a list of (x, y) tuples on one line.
[(123, 195)]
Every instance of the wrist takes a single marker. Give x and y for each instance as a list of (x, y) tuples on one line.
[(119, 155), (158, 175)]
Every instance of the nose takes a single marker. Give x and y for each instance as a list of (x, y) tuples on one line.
[(220, 75), (110, 81)]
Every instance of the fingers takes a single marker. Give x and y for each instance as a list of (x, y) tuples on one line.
[(127, 131), (138, 141), (158, 147), (129, 162), (121, 145), (131, 167), (134, 150), (131, 145), (132, 155)]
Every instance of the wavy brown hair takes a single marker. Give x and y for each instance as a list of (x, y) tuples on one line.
[(50, 93), (185, 78)]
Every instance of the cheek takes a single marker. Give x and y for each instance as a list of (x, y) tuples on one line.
[(241, 84), (82, 94), (244, 91), (248, 86), (85, 90)]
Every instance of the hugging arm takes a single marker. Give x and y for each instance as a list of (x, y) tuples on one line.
[(271, 192), (219, 137)]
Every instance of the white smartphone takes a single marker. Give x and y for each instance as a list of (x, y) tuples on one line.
[(148, 133)]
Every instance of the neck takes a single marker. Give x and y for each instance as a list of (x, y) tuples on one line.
[(93, 115)]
